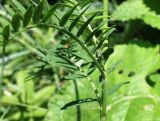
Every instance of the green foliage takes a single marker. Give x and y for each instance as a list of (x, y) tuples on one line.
[(28, 15), (145, 10), (89, 111), (6, 32), (126, 11), (38, 12), (66, 16), (137, 97), (69, 53), (16, 22)]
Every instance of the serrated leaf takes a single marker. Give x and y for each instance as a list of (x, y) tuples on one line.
[(38, 11), (115, 88), (66, 16), (28, 15), (75, 21), (152, 19), (16, 22), (50, 12), (126, 11), (6, 32), (78, 102), (84, 26)]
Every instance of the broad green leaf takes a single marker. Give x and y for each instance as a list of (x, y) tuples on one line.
[(6, 32), (152, 19), (132, 108), (28, 15), (16, 22), (38, 11), (66, 16), (84, 26), (115, 88), (133, 58), (145, 10), (126, 10)]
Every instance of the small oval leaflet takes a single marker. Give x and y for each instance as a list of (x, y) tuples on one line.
[(28, 15), (16, 22), (6, 32), (38, 11)]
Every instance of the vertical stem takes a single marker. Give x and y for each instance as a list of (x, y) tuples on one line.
[(2, 67), (105, 12), (77, 98), (104, 97), (104, 100)]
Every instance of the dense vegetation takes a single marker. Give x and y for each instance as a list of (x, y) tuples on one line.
[(80, 60)]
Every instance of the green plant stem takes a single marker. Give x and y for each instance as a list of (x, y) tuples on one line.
[(77, 98), (105, 12), (2, 67), (103, 114)]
